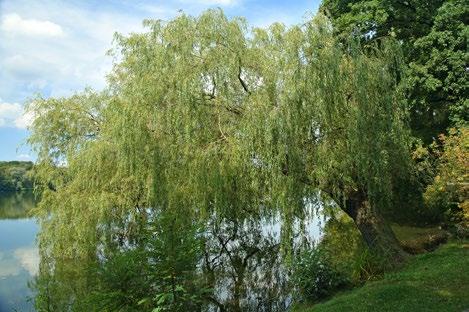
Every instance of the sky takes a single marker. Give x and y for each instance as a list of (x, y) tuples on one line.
[(56, 48)]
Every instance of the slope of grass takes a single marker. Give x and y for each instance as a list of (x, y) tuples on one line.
[(436, 281)]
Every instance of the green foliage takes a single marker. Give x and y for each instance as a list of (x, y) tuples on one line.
[(156, 274), (449, 192), (62, 284), (314, 277), (204, 118), (144, 280), (121, 281), (173, 251), (437, 281), (360, 18), (15, 175), (348, 252), (433, 36), (341, 259), (251, 117), (408, 203), (437, 83), (371, 19)]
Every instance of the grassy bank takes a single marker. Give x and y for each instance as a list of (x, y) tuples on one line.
[(435, 281)]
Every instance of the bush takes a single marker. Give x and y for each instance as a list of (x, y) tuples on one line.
[(449, 191), (348, 253), (313, 276), (158, 275)]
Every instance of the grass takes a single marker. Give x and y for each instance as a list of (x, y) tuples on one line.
[(436, 281)]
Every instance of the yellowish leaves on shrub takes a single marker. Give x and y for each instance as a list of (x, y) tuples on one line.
[(450, 188)]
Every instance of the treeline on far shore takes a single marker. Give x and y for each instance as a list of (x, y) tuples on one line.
[(15, 175)]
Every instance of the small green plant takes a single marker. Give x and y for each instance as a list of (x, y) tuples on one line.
[(314, 277), (367, 265)]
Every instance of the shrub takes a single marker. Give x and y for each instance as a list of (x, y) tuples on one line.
[(159, 274), (449, 191), (348, 253), (313, 276)]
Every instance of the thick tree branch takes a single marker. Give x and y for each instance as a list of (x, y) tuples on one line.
[(243, 83)]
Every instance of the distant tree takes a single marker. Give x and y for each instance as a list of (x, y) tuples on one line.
[(15, 175)]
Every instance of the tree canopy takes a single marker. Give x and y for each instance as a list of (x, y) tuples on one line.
[(204, 116)]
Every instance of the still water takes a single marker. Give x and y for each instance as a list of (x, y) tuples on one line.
[(242, 259), (19, 257)]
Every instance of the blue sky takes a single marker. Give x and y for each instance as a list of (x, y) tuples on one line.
[(56, 48)]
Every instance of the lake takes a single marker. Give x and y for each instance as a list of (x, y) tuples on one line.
[(19, 257), (258, 282)]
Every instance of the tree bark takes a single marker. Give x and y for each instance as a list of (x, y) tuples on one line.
[(375, 231)]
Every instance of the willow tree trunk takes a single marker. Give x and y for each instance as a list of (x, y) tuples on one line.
[(375, 231)]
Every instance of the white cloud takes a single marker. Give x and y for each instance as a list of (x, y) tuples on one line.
[(157, 11), (9, 112), (8, 267), (58, 66), (13, 115), (29, 259), (24, 157), (68, 51), (196, 6), (15, 24), (24, 121), (27, 67), (26, 258)]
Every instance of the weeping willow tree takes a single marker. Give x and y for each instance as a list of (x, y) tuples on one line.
[(203, 116)]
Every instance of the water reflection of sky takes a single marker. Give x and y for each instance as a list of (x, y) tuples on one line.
[(19, 261)]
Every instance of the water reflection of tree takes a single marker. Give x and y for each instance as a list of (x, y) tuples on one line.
[(16, 205), (62, 284), (242, 262), (123, 273)]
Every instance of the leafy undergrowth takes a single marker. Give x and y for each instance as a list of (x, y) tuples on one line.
[(417, 240), (436, 281)]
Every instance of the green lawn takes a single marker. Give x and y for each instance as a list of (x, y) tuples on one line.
[(436, 281)]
